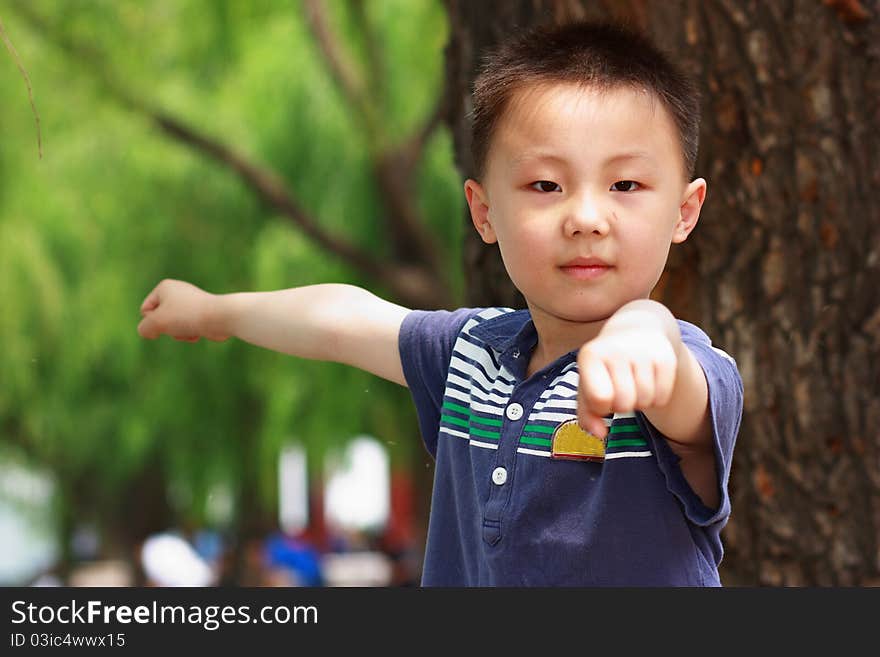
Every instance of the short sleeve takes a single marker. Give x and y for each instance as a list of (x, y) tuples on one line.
[(725, 410), (425, 342)]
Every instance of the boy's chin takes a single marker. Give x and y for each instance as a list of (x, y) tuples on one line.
[(571, 315)]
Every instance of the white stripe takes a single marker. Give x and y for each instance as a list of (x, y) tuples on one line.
[(455, 378), (492, 398), (552, 417), (724, 354), (561, 417), (624, 455), (477, 443), (494, 401), (570, 377), (457, 394), (485, 408), (453, 432), (533, 452), (489, 313), (472, 351), (469, 370), (468, 325), (541, 404)]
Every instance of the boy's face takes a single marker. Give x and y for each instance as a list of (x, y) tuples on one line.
[(584, 192)]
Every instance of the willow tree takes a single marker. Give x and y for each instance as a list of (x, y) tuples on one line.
[(779, 271), (252, 145)]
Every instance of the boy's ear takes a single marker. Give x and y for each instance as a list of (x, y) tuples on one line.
[(689, 211), (478, 203)]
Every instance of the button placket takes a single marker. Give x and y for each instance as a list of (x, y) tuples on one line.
[(514, 413)]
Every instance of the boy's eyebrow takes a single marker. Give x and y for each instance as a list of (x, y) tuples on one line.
[(550, 157), (632, 155), (531, 156)]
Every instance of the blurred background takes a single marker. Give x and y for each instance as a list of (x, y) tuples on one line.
[(258, 145), (254, 466)]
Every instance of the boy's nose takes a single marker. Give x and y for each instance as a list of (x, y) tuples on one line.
[(586, 214)]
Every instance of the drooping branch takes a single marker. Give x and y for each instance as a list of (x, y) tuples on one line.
[(409, 282), (376, 79), (413, 149), (269, 187), (393, 166), (27, 81), (341, 68)]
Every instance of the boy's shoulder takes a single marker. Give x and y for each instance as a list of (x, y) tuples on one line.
[(695, 337), (497, 324), (488, 323)]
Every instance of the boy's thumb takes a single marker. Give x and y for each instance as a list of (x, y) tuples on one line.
[(150, 303), (147, 329)]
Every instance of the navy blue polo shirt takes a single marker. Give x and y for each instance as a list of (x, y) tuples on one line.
[(504, 513)]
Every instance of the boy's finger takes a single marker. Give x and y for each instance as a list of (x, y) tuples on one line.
[(147, 329), (591, 422), (151, 302), (665, 381), (646, 389), (624, 387), (595, 388)]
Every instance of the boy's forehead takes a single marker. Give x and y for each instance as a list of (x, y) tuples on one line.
[(549, 120)]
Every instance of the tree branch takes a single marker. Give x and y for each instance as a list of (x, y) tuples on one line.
[(415, 147), (412, 284), (376, 73), (269, 187), (341, 68), (392, 167), (27, 81)]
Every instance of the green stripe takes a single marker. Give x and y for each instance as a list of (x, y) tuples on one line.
[(544, 442), (455, 420), (627, 443), (474, 432), (624, 428), (476, 418), (537, 428), (455, 407)]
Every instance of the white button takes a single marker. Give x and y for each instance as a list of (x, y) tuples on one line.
[(514, 411), (499, 476)]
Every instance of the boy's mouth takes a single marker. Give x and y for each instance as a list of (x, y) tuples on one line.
[(584, 269)]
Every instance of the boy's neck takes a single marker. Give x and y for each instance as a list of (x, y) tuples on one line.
[(557, 337)]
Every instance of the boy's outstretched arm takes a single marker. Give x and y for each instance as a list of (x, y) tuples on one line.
[(334, 322), (639, 362)]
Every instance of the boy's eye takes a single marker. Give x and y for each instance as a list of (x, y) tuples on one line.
[(545, 186), (625, 186)]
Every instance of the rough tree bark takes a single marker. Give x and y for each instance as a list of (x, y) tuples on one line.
[(779, 269)]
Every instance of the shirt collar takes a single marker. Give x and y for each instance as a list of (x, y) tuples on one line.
[(513, 336)]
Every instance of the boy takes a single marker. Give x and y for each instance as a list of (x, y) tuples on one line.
[(587, 439)]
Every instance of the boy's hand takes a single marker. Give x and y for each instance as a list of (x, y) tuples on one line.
[(630, 365), (180, 310)]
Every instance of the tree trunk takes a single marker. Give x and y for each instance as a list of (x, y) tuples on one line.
[(779, 270)]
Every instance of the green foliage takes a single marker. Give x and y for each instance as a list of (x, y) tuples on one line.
[(114, 206)]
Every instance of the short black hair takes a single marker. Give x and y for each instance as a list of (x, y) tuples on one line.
[(603, 55)]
